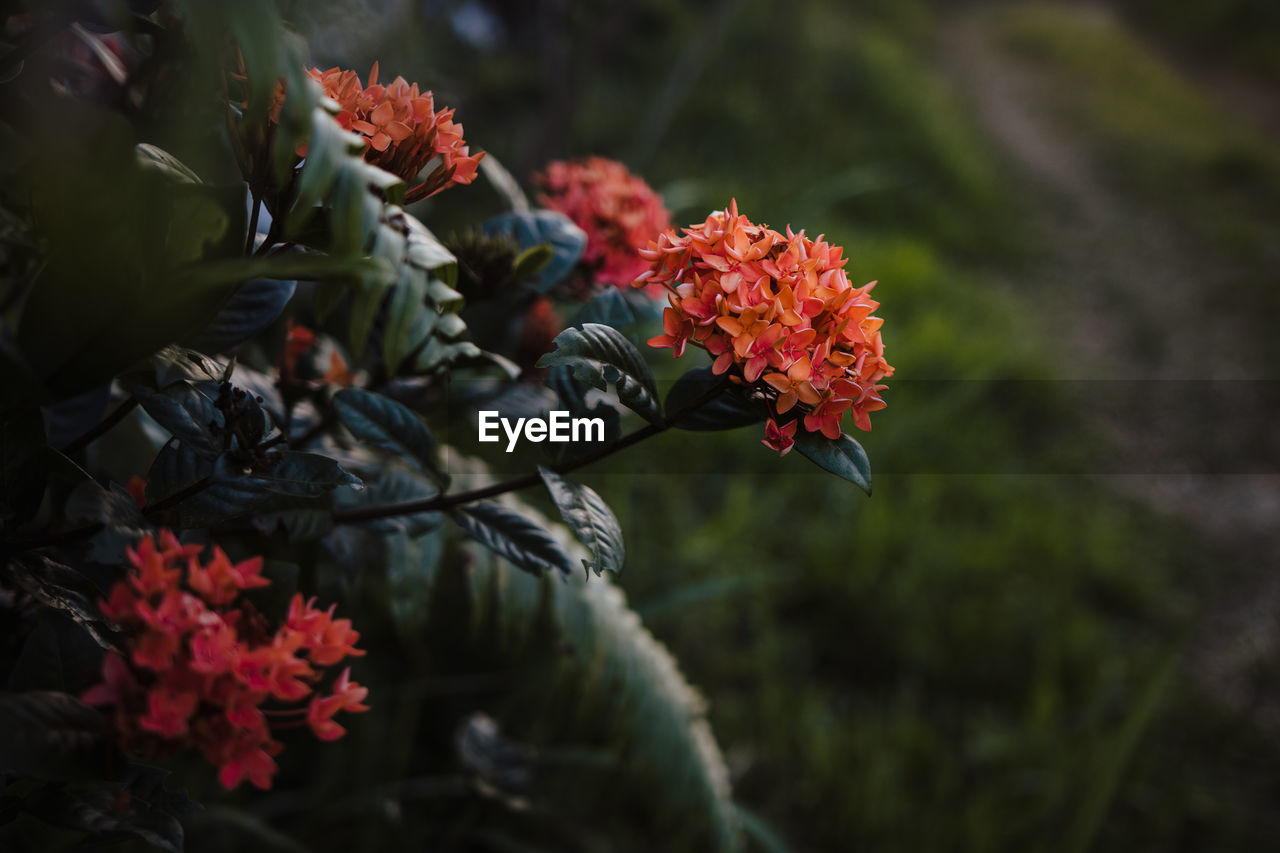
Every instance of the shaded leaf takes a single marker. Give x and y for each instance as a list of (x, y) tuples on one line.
[(843, 457), (609, 308), (731, 409), (187, 412), (513, 537), (97, 809), (386, 424), (591, 520), (535, 227), (65, 590), (122, 522), (48, 735), (255, 305), (600, 354)]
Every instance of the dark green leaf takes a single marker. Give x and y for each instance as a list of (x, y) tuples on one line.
[(122, 522), (731, 409), (411, 564), (600, 354), (48, 735), (609, 308), (224, 490), (171, 167), (573, 395), (303, 519), (534, 227), (591, 520), (65, 590), (187, 411), (254, 306), (843, 457), (531, 261), (512, 536), (98, 810), (174, 364), (387, 425)]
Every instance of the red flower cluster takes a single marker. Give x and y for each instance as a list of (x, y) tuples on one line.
[(618, 210), (200, 664), (403, 129), (778, 310)]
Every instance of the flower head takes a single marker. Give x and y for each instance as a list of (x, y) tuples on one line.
[(402, 129), (776, 311), (199, 661), (618, 210)]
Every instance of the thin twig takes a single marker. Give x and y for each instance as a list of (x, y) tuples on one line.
[(99, 429), (442, 502)]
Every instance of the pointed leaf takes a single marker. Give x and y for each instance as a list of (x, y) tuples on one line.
[(609, 308), (591, 520), (513, 537), (387, 425), (731, 409), (843, 457), (253, 307), (534, 227), (601, 354), (47, 734)]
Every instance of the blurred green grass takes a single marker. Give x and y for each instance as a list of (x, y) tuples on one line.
[(960, 662)]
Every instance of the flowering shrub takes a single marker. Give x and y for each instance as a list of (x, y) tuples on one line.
[(773, 309), (200, 662), (619, 212), (250, 341), (402, 129)]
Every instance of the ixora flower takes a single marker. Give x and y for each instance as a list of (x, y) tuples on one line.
[(403, 130), (202, 667), (618, 210), (777, 311)]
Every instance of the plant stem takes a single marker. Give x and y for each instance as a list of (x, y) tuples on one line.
[(93, 433), (178, 497), (253, 224), (442, 502)]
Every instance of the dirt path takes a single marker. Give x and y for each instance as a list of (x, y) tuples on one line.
[(1116, 294)]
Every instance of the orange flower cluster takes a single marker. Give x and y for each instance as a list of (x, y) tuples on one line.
[(618, 210), (200, 663), (403, 130), (778, 310)]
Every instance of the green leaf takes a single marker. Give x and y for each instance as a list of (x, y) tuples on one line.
[(536, 227), (531, 261), (49, 735), (174, 364), (157, 158), (187, 412), (122, 522), (731, 409), (65, 590), (302, 519), (609, 307), (97, 809), (513, 537), (228, 489), (387, 425), (591, 520), (411, 565), (255, 305), (843, 457), (600, 354)]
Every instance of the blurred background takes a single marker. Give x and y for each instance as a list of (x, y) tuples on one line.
[(1054, 626)]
